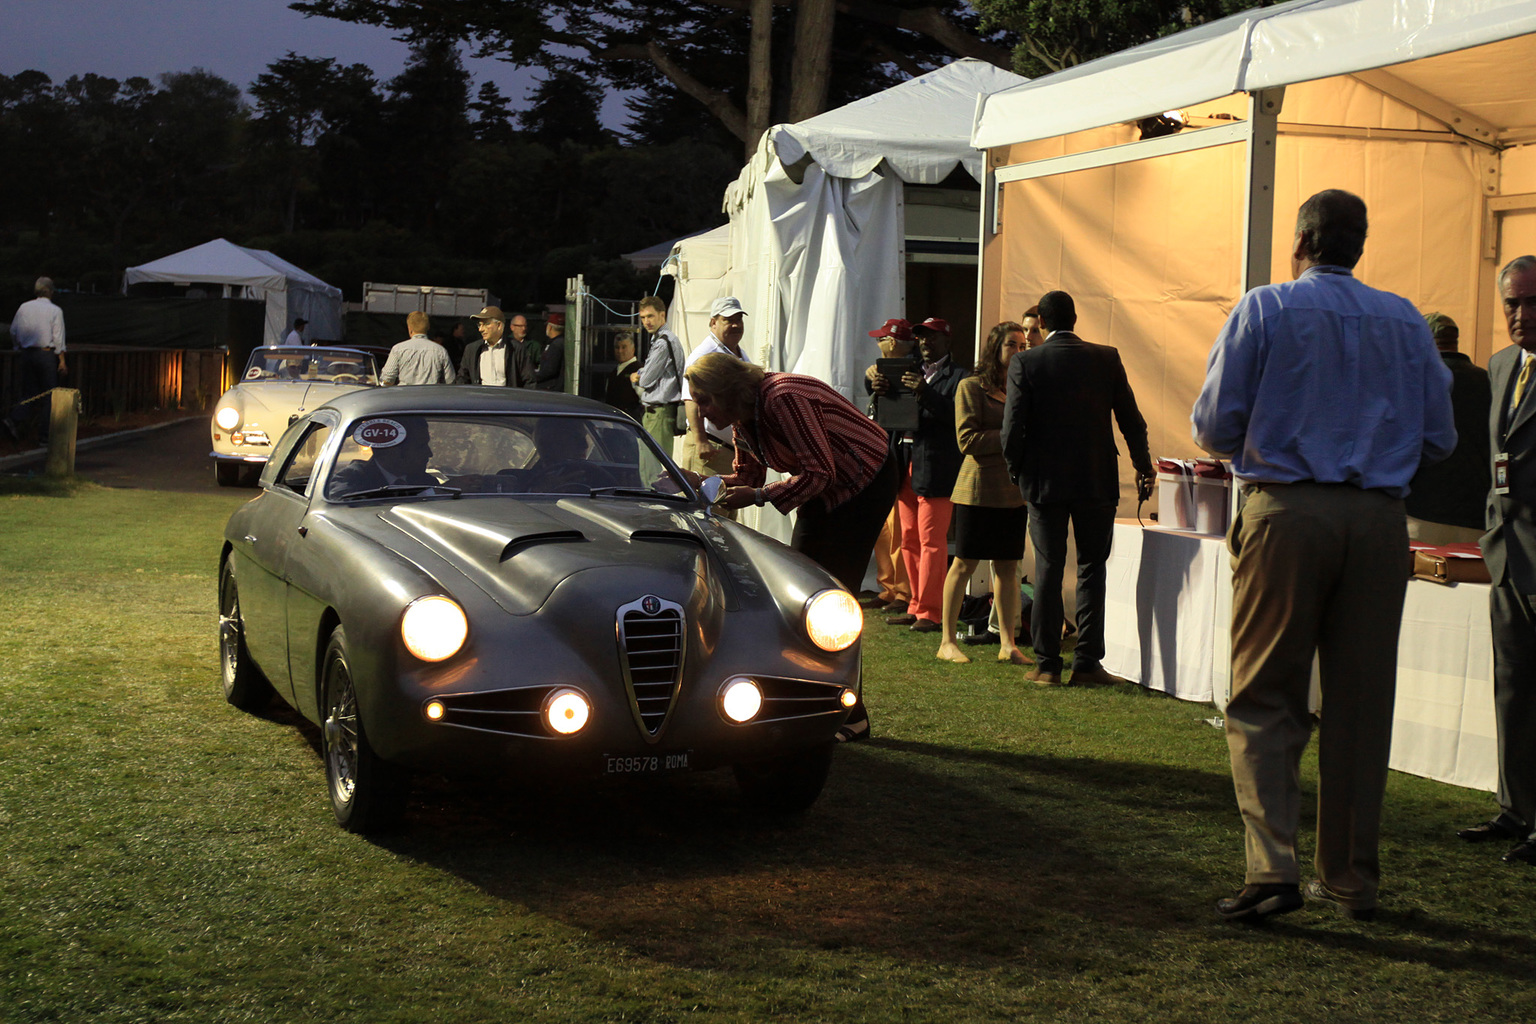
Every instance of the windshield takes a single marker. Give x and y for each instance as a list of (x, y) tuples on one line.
[(489, 453), (326, 365)]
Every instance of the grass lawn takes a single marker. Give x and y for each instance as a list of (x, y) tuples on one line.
[(997, 853)]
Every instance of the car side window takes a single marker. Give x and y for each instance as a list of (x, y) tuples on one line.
[(301, 465)]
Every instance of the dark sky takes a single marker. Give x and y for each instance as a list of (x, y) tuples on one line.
[(235, 39)]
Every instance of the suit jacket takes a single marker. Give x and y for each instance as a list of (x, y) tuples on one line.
[(1057, 436), (1509, 546), (933, 450), (1455, 490), (519, 368), (620, 393)]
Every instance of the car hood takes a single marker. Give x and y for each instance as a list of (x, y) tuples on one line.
[(271, 404), (517, 552)]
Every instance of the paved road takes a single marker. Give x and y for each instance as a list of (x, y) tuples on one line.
[(170, 458)]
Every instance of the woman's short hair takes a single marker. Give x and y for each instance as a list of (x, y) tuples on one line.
[(731, 383), (992, 375)]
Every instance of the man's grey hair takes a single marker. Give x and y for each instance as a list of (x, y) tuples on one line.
[(1518, 263), (44, 287)]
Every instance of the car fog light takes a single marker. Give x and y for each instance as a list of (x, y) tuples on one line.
[(833, 619), (435, 710), (848, 699), (741, 700), (434, 628), (227, 417), (567, 711)]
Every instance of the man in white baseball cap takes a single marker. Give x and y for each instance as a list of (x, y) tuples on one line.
[(704, 449)]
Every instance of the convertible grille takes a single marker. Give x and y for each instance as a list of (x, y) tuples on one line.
[(651, 643)]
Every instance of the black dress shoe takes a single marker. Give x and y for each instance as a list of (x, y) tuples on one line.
[(901, 620), (1256, 902), (1316, 890), (926, 626), (1489, 831), (1523, 852)]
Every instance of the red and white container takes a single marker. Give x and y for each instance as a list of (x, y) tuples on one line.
[(1175, 494), (1212, 486)]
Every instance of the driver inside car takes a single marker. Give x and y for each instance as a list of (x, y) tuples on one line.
[(403, 463)]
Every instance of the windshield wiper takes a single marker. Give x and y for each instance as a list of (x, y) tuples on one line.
[(636, 492), (388, 489)]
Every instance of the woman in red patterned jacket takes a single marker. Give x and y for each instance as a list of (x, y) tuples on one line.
[(841, 476)]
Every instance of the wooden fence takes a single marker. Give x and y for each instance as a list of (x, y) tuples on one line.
[(114, 380)]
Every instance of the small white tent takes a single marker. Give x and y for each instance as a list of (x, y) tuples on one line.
[(818, 220), (289, 292)]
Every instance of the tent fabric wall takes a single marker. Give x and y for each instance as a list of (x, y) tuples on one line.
[(289, 292), (1438, 144)]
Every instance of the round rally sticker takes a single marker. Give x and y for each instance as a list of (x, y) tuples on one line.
[(379, 433)]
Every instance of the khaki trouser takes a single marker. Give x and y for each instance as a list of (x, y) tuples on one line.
[(658, 421), (890, 567), (1316, 567)]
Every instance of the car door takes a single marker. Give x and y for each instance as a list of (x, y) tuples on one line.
[(275, 539)]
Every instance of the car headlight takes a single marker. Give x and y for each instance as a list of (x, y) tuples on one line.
[(567, 711), (833, 619), (740, 700), (228, 417), (434, 628)]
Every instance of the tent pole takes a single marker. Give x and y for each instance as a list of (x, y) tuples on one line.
[(1259, 197)]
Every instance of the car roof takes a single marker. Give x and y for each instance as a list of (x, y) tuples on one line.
[(421, 398)]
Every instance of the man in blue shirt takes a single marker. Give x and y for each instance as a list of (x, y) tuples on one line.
[(1327, 395)]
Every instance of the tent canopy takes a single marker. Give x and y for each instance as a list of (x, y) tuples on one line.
[(1282, 45), (1424, 108), (289, 292)]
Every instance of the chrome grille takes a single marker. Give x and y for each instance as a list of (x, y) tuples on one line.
[(651, 643)]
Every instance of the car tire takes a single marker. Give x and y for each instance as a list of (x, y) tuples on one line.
[(227, 473), (244, 685), (788, 783), (367, 793)]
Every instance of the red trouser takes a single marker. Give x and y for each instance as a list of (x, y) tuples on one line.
[(924, 548)]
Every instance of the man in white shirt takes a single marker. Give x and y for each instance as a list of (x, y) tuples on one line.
[(296, 336), (418, 360), (37, 330), (705, 449)]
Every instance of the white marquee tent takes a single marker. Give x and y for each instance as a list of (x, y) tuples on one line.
[(1425, 108), (289, 293), (815, 245), (817, 218)]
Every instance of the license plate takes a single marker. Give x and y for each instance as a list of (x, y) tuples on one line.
[(645, 764)]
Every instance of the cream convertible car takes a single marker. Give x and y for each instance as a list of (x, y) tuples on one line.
[(493, 581), (279, 385)]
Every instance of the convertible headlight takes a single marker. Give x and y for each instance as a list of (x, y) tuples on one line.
[(227, 417), (567, 711), (833, 619), (434, 628), (741, 700)]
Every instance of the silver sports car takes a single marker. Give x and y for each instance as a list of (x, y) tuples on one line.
[(493, 581)]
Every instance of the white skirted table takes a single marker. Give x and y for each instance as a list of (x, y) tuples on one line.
[(1168, 627)]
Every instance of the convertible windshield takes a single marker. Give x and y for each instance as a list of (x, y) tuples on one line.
[(327, 365), (432, 455)]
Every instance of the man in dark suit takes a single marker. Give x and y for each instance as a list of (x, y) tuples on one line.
[(1447, 501), (1060, 448), (1510, 549), (493, 359)]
